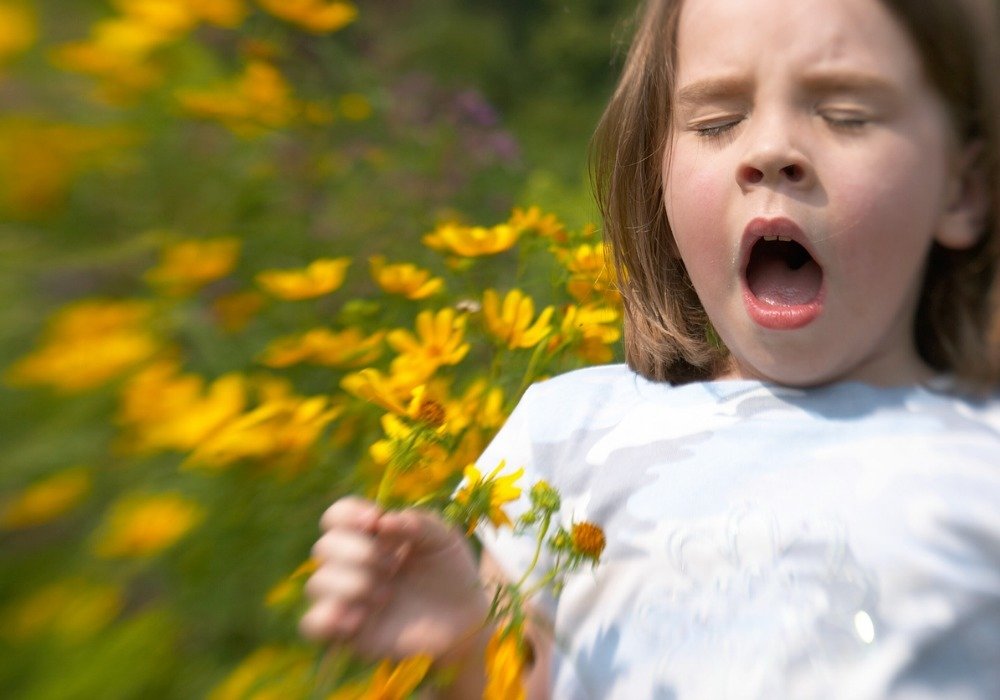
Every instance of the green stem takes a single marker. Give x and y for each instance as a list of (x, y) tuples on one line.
[(543, 530), (529, 373)]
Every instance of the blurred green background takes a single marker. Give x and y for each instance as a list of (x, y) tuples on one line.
[(303, 132)]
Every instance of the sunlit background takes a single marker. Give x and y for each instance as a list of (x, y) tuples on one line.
[(246, 246)]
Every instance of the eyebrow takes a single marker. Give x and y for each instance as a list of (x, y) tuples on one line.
[(848, 81), (728, 87), (709, 89)]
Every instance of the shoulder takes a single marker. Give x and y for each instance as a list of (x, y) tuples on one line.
[(603, 385), (587, 397)]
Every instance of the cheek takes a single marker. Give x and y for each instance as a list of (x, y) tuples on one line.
[(694, 201)]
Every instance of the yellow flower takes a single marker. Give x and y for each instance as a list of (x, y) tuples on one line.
[(546, 225), (505, 657), (235, 310), (439, 340), (589, 330), (139, 525), (280, 430), (18, 29), (472, 241), (511, 323), (588, 540), (589, 272), (189, 265), (73, 609), (485, 497), (269, 673), (224, 13), (348, 348), (405, 279), (320, 277), (164, 410), (39, 161), (257, 100), (46, 500), (391, 392), (86, 344), (389, 682), (317, 16)]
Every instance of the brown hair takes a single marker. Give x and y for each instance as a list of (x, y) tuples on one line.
[(668, 336)]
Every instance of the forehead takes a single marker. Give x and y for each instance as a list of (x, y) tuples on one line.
[(737, 36)]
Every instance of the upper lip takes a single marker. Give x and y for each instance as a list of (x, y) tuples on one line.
[(778, 226)]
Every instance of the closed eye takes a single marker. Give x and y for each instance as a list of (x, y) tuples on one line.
[(845, 122), (714, 130)]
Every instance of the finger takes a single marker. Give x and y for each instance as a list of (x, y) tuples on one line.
[(332, 620), (348, 586), (351, 513), (348, 548), (419, 528)]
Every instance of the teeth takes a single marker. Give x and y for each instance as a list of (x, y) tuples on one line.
[(784, 238), (770, 238)]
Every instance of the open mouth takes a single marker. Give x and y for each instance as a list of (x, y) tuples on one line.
[(781, 272)]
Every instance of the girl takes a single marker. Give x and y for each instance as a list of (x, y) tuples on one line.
[(799, 492)]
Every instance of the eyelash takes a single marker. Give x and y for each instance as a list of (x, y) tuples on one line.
[(845, 123), (719, 131), (716, 131)]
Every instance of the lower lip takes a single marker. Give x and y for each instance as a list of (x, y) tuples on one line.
[(782, 317)]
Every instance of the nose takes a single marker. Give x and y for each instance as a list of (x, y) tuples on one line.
[(772, 158)]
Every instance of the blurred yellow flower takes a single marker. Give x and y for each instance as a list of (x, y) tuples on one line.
[(532, 219), (18, 29), (511, 322), (589, 330), (224, 13), (347, 348), (73, 609), (485, 497), (280, 430), (404, 279), (392, 392), (505, 659), (589, 272), (235, 310), (257, 100), (140, 525), (86, 344), (162, 409), (119, 49), (317, 16), (389, 682), (269, 673), (320, 277), (439, 340), (39, 161), (472, 241), (46, 500), (188, 265)]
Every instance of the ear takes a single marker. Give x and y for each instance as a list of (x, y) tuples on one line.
[(968, 202)]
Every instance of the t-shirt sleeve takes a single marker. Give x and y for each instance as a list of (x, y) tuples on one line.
[(514, 445)]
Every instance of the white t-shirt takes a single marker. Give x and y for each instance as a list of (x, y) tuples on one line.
[(765, 541)]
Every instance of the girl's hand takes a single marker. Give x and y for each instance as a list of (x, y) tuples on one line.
[(394, 584)]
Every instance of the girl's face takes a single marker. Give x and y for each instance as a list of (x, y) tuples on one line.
[(810, 167)]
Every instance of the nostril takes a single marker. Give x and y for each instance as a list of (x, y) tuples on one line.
[(793, 172), (752, 175)]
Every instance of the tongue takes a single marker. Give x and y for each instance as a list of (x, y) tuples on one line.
[(773, 281)]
